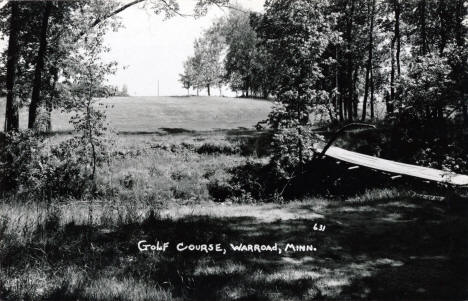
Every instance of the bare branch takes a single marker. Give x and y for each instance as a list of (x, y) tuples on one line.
[(221, 6)]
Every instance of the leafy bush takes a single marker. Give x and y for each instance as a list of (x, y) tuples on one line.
[(28, 164), (292, 149), (222, 190), (20, 160), (217, 148)]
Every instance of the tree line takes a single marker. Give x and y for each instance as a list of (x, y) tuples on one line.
[(229, 53), (341, 57)]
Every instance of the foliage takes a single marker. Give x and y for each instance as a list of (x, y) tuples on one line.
[(218, 148), (292, 149), (32, 166), (425, 122), (204, 69), (246, 61), (85, 84), (70, 167), (19, 155), (427, 91), (296, 35)]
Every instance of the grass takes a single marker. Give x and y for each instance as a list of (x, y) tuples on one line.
[(398, 245), (378, 244), (381, 244), (170, 114)]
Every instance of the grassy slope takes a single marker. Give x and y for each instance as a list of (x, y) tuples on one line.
[(150, 114)]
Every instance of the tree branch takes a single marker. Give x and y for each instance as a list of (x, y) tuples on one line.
[(111, 14), (231, 7)]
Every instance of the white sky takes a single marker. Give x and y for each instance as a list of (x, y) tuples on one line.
[(149, 48)]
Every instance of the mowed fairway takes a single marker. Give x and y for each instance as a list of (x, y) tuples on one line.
[(152, 114)]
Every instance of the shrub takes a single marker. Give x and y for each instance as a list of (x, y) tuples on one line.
[(127, 181), (30, 165), (292, 149), (221, 190), (218, 148), (20, 160)]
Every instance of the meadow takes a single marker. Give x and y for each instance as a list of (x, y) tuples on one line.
[(392, 242), (174, 113)]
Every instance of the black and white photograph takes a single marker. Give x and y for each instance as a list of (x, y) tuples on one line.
[(233, 150)]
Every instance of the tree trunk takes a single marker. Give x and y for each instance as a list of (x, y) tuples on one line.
[(208, 88), (366, 94), (369, 60), (355, 94), (392, 78), (372, 91), (11, 112), (442, 26), (397, 8), (37, 84), (422, 24), (49, 102), (339, 98), (349, 80), (459, 37)]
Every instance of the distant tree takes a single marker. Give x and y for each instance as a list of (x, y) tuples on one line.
[(124, 91), (188, 77), (243, 62), (205, 68)]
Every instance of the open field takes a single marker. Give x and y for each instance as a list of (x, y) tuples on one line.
[(154, 114)]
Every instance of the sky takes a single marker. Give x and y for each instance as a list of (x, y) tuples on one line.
[(149, 49)]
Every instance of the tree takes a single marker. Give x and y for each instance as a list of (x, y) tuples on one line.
[(243, 62), (11, 112), (85, 84), (186, 78), (37, 82), (205, 68), (124, 91), (369, 80), (296, 35)]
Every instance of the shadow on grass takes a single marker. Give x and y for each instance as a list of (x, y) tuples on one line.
[(397, 248)]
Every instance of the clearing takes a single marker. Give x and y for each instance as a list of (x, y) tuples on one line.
[(150, 114)]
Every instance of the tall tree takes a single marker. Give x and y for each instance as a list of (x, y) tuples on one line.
[(297, 35), (369, 79), (397, 35), (37, 82), (246, 61), (349, 61), (205, 68), (11, 113)]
